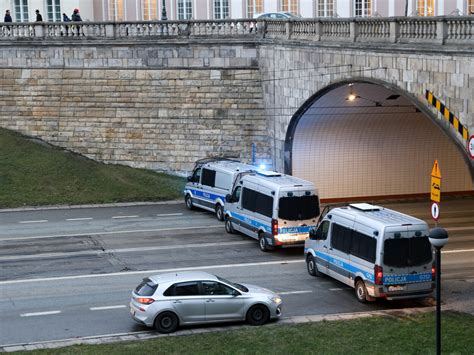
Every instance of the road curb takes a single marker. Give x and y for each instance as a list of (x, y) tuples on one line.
[(100, 205), (145, 335)]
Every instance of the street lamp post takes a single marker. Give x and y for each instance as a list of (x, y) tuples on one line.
[(163, 12), (438, 239)]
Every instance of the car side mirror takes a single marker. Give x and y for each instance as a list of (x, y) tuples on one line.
[(235, 293), (314, 234), (190, 178), (228, 198)]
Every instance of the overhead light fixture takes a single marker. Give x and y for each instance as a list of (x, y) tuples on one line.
[(352, 96)]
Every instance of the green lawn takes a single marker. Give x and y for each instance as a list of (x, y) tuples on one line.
[(383, 335), (34, 174)]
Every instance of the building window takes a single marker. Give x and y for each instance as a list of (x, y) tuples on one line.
[(21, 11), (254, 7), (150, 10), (116, 10), (470, 7), (185, 10), (326, 8), (363, 8), (53, 9), (221, 9), (290, 6), (426, 8)]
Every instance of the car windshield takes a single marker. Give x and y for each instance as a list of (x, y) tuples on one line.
[(403, 252), (236, 285), (146, 288), (298, 208)]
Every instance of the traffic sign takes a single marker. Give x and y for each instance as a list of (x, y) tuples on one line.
[(435, 211), (435, 183), (470, 146)]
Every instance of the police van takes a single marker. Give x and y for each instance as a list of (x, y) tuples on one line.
[(379, 252), (210, 182), (274, 208)]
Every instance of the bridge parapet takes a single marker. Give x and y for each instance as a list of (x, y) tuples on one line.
[(429, 30)]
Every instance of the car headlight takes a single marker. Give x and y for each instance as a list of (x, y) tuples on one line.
[(276, 299)]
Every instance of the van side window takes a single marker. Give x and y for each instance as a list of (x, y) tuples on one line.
[(196, 175), (341, 238), (324, 229), (236, 194), (363, 246), (257, 202), (208, 177), (248, 199), (223, 180)]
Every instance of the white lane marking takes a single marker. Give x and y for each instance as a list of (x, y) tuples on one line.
[(336, 289), (107, 307), (295, 292), (124, 250), (34, 314), (115, 232), (38, 221), (80, 219), (169, 214), (121, 217), (157, 271), (457, 251)]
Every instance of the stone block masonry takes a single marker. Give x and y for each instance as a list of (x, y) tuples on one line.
[(150, 116)]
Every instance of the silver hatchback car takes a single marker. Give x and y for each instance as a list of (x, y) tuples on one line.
[(167, 301)]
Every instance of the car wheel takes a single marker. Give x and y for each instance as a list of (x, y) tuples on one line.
[(311, 266), (361, 291), (262, 243), (229, 228), (258, 315), (166, 322), (189, 202), (220, 212)]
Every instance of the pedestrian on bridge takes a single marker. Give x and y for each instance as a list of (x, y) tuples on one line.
[(39, 18), (75, 16), (8, 17)]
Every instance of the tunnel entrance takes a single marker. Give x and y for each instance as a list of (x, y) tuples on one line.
[(375, 144)]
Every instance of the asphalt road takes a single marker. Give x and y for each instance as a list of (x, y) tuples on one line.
[(69, 272)]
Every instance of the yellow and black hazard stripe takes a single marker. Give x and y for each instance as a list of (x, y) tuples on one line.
[(449, 116)]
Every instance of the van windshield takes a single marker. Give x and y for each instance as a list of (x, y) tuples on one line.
[(405, 252), (298, 208)]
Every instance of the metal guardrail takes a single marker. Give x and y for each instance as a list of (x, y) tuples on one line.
[(436, 30)]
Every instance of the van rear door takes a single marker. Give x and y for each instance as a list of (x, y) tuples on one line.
[(406, 260)]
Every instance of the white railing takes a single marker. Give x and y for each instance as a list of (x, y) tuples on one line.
[(437, 30)]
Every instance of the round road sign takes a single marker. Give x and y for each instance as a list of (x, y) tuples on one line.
[(435, 211), (470, 146)]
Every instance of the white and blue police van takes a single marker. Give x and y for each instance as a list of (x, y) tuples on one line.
[(212, 179), (274, 208), (379, 252)]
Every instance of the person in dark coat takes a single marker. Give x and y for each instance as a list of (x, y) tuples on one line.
[(8, 17), (75, 15), (39, 18), (66, 18)]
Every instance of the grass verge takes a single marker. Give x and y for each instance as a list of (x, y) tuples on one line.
[(414, 334), (38, 174)]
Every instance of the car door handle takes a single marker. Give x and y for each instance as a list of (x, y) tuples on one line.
[(178, 301), (325, 246), (210, 301), (330, 248)]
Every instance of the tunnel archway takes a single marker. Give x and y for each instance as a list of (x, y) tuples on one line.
[(379, 144)]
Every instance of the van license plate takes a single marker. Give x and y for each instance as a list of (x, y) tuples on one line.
[(396, 288)]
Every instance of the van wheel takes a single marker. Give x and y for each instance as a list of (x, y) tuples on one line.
[(229, 228), (189, 202), (361, 291), (220, 212), (311, 266), (262, 243)]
